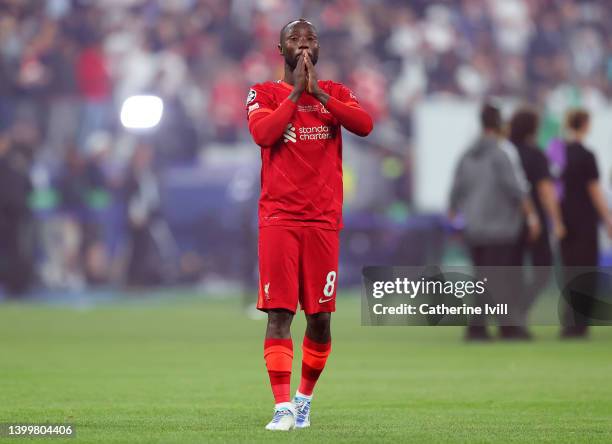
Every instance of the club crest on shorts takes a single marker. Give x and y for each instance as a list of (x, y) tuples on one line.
[(266, 290), (251, 96)]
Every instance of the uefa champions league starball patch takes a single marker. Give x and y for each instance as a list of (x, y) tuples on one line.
[(251, 96)]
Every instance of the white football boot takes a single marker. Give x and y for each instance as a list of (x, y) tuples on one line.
[(302, 411), (283, 419)]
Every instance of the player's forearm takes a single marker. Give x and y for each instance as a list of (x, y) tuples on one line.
[(295, 95), (534, 226), (322, 96), (529, 211), (353, 118), (599, 201), (267, 130), (546, 192)]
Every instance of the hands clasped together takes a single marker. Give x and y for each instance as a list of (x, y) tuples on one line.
[(305, 78)]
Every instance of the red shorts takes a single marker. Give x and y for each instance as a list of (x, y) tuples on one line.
[(298, 264)]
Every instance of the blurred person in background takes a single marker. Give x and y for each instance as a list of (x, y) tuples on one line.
[(72, 184), (490, 191), (523, 131), (583, 206), (16, 261), (144, 209), (99, 200), (84, 194)]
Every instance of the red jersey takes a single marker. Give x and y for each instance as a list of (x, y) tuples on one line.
[(301, 171)]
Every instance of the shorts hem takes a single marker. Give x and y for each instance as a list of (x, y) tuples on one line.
[(284, 307), (320, 310)]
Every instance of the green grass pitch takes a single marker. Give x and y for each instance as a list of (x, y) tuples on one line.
[(192, 370)]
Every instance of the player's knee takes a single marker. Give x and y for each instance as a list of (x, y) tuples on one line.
[(319, 321), (318, 327), (279, 324)]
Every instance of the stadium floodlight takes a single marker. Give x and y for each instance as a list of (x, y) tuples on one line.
[(141, 112)]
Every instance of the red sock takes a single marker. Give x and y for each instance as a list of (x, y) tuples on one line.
[(278, 354), (313, 361)]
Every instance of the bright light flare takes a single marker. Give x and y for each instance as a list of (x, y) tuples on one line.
[(141, 112)]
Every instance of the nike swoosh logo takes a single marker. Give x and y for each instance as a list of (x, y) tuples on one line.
[(323, 301)]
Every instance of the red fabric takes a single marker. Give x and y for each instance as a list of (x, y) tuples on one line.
[(278, 354), (266, 128), (315, 356), (92, 76), (306, 271), (309, 379), (353, 118), (318, 346), (268, 342), (281, 387), (301, 174)]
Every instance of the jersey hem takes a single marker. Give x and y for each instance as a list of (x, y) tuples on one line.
[(297, 224)]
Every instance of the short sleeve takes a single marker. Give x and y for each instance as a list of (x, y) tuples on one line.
[(258, 101), (345, 95), (590, 168)]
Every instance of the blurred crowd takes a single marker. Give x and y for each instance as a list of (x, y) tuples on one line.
[(67, 65), (201, 56)]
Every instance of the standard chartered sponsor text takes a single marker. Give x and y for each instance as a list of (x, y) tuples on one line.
[(320, 132)]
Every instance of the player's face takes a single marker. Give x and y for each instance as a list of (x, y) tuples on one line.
[(298, 39)]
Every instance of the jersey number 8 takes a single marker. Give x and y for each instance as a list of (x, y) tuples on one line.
[(330, 282)]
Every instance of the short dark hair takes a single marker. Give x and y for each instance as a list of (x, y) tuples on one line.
[(284, 28), (577, 118), (490, 117), (523, 125)]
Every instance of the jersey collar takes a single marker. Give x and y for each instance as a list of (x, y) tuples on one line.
[(285, 84)]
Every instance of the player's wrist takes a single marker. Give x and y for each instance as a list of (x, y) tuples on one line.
[(296, 94), (321, 96)]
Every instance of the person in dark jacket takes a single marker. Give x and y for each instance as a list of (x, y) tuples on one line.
[(523, 130), (490, 191), (16, 264), (144, 210), (583, 206)]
